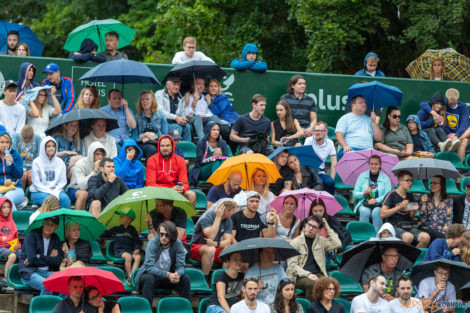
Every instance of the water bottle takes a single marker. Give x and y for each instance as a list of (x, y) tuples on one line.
[(7, 152), (372, 192)]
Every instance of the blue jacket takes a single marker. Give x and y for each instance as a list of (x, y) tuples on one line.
[(221, 106), (17, 143), (67, 100), (440, 249), (15, 170), (22, 87), (457, 118), (425, 141), (242, 64), (363, 72), (158, 121), (131, 172), (383, 187)]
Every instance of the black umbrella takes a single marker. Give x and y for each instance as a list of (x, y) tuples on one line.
[(282, 249), (466, 292), (459, 271), (359, 257), (85, 117), (189, 71)]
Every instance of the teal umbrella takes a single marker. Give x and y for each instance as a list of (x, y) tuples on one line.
[(90, 227), (142, 201), (96, 31)]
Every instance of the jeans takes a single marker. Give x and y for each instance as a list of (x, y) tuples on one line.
[(38, 198), (36, 279), (436, 135), (148, 149), (365, 213), (184, 130), (198, 122), (268, 149), (149, 282), (16, 196), (328, 183)]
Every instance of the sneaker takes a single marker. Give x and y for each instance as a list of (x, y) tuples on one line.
[(445, 146), (455, 145), (128, 281)]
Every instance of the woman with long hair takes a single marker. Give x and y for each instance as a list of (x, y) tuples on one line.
[(88, 98), (286, 224), (436, 210), (77, 252), (151, 123), (41, 112), (70, 148), (304, 177), (324, 291), (285, 300), (396, 137), (22, 50), (437, 70), (94, 298), (219, 104), (286, 130), (260, 184), (50, 204)]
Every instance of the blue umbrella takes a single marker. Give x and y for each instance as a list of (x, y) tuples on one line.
[(26, 35), (121, 72), (377, 95), (305, 154)]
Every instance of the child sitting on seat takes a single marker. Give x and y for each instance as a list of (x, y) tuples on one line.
[(9, 243)]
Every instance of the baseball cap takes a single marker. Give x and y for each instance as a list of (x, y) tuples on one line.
[(10, 83), (174, 133), (51, 68), (127, 211)]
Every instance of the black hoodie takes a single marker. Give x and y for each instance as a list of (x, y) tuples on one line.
[(85, 54)]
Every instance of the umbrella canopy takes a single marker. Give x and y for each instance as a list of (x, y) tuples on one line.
[(121, 72), (85, 117), (189, 71), (426, 168), (459, 271), (90, 227), (105, 281), (354, 163), (466, 292), (26, 35), (359, 257), (377, 94), (247, 164), (305, 196), (305, 154), (96, 30), (456, 65), (142, 201), (282, 249)]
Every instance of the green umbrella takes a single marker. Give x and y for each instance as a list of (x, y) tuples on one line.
[(90, 227), (96, 31), (142, 201)]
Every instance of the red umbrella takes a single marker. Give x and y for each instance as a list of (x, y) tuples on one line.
[(105, 281)]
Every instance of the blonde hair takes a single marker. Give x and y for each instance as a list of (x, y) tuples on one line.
[(465, 247), (266, 183), (6, 136), (96, 101), (452, 94), (189, 40), (27, 132), (432, 76), (218, 85), (69, 227), (50, 204), (139, 102)]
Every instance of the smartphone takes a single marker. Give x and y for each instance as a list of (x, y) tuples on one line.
[(180, 184)]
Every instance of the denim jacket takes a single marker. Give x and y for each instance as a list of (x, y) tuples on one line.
[(158, 120)]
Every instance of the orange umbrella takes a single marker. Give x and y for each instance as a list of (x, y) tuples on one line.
[(247, 164)]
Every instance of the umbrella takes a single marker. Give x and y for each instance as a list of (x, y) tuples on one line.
[(377, 94), (305, 197), (191, 70), (105, 281), (427, 168), (466, 292), (96, 30), (142, 201), (90, 227), (85, 116), (121, 72), (459, 271), (353, 163), (247, 164), (26, 35), (359, 257), (305, 154), (282, 249), (456, 65)]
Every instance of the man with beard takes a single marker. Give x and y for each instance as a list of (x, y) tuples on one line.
[(405, 303), (13, 39), (250, 304), (227, 190), (371, 301)]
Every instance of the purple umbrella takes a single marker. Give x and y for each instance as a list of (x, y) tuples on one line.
[(305, 196), (353, 163)]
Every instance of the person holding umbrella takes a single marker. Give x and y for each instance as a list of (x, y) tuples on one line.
[(74, 303), (93, 297)]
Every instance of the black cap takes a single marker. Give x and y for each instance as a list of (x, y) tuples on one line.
[(10, 83), (173, 78)]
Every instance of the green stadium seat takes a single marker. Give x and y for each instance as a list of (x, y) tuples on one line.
[(304, 303), (346, 208), (418, 187), (345, 303), (43, 304), (119, 274), (339, 185), (463, 183), (347, 284), (451, 187), (201, 200), (214, 276), (453, 158), (203, 304), (467, 160), (110, 253), (194, 262), (229, 151), (21, 219), (189, 149), (14, 279), (134, 305), (360, 231), (96, 255), (190, 228), (332, 133), (198, 280), (174, 305), (331, 265)]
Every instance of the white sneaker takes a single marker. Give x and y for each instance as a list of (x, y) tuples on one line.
[(445, 146), (455, 145)]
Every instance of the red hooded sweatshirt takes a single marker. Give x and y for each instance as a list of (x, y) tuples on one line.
[(7, 226), (166, 173)]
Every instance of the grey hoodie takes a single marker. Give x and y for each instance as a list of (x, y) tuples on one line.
[(83, 169)]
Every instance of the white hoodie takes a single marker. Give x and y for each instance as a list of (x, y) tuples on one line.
[(48, 176), (387, 226), (83, 169), (107, 140)]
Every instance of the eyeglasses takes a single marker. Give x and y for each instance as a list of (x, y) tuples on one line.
[(443, 274), (162, 235), (287, 280), (392, 256), (312, 226), (319, 131), (394, 116)]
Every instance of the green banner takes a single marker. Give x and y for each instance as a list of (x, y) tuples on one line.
[(328, 90)]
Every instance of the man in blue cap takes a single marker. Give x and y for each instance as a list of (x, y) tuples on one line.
[(61, 86)]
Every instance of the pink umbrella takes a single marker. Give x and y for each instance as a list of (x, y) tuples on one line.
[(305, 196), (353, 163)]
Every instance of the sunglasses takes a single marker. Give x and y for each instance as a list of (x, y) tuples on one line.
[(287, 280), (162, 235), (394, 116)]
